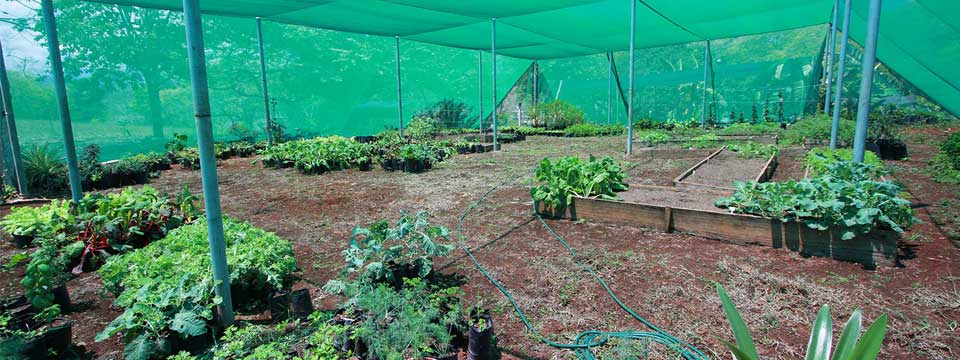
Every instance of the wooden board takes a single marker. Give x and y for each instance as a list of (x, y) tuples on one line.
[(878, 248)]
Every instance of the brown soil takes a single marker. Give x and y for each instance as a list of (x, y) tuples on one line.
[(725, 168), (674, 197), (667, 278), (789, 164)]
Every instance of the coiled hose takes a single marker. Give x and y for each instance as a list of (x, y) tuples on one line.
[(585, 342)]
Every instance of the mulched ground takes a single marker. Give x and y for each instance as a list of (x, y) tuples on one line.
[(669, 279)]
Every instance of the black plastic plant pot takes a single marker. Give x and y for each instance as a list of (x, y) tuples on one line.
[(478, 148), (365, 166), (386, 164), (396, 164), (192, 344), (302, 303), (61, 297), (280, 307), (480, 344), (23, 241), (892, 149), (58, 336)]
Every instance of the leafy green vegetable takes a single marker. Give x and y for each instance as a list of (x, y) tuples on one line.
[(558, 183), (39, 221), (381, 253), (754, 150), (818, 159), (168, 285), (845, 196)]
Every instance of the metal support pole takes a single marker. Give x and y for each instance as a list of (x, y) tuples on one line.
[(536, 85), (480, 89), (706, 69), (866, 81), (59, 83), (493, 55), (840, 69), (832, 43), (17, 176), (208, 159), (633, 33), (263, 81), (399, 90), (609, 87)]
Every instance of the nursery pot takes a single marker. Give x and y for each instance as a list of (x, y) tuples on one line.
[(191, 344), (23, 241), (366, 166), (280, 307), (386, 164), (58, 336), (479, 345), (892, 149), (302, 303), (396, 164), (478, 148), (61, 297)]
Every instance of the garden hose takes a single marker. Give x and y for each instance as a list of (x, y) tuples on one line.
[(585, 342)]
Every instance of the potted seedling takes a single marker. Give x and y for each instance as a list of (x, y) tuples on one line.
[(44, 280), (479, 345)]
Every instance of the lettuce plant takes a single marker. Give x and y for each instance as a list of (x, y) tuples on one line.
[(558, 183)]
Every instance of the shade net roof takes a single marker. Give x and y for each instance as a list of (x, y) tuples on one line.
[(919, 38)]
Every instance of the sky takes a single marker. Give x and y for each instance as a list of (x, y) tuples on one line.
[(20, 50)]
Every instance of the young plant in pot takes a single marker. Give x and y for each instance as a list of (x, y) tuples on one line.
[(45, 278), (480, 345), (50, 337)]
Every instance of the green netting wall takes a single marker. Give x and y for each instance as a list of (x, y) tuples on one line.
[(746, 71), (129, 89)]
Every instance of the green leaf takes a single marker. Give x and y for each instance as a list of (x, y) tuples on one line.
[(141, 348), (848, 339), (821, 336), (869, 345), (188, 323), (740, 331), (737, 353)]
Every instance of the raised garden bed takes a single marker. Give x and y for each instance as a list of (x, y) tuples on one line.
[(722, 168), (669, 153), (720, 140), (691, 211)]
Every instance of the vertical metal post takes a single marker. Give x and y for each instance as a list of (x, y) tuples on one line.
[(208, 160), (536, 85), (263, 81), (633, 33), (59, 83), (866, 81), (832, 43), (399, 91), (10, 124), (840, 70), (609, 87), (480, 89), (706, 69), (493, 55)]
